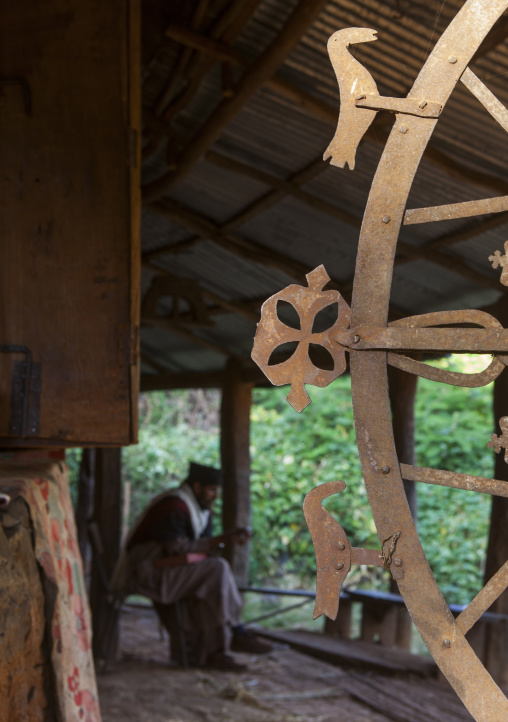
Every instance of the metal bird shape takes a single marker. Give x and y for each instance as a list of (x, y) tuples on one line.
[(332, 548), (354, 81)]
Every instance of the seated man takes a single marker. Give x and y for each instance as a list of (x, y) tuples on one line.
[(170, 557)]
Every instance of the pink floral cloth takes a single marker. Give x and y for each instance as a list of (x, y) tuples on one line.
[(41, 479)]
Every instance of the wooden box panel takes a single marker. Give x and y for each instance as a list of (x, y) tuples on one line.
[(69, 219)]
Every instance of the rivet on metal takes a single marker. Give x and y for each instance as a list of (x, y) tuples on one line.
[(356, 338), (403, 128), (341, 545), (422, 104), (386, 219), (340, 565), (447, 643), (385, 470), (397, 562), (452, 59)]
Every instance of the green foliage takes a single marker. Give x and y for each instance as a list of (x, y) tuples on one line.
[(175, 428), (292, 453)]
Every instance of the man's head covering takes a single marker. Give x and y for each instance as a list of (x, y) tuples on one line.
[(204, 475)]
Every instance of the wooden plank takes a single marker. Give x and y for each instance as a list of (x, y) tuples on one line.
[(69, 217), (354, 653), (235, 461)]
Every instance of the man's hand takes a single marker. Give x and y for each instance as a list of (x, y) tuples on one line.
[(234, 536)]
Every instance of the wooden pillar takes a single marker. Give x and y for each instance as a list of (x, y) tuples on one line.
[(107, 516), (235, 437), (84, 504), (496, 642), (402, 388)]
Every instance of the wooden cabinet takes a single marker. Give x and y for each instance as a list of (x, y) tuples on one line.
[(69, 222)]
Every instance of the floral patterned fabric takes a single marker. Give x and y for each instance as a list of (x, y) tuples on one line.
[(41, 479)]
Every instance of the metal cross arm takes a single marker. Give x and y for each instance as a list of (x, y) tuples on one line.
[(406, 106), (466, 340)]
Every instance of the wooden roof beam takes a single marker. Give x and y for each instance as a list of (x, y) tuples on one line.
[(329, 114), (409, 251), (227, 27), (250, 250), (188, 336), (262, 69), (242, 309)]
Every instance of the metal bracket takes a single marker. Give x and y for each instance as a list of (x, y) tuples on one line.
[(26, 387), (406, 106)]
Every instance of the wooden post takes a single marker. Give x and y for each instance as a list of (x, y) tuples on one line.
[(84, 504), (496, 637), (235, 437), (107, 516), (402, 388)]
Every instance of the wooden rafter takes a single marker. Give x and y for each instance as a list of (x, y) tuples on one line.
[(264, 67), (329, 113), (188, 336), (238, 245), (242, 309), (409, 251)]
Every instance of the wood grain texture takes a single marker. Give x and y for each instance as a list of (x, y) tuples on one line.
[(69, 215)]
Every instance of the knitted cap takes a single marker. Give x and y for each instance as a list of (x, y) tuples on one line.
[(204, 475)]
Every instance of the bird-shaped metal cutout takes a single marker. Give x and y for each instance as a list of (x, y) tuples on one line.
[(334, 554), (355, 82)]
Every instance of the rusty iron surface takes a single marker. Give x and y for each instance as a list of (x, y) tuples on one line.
[(334, 554), (454, 479), (486, 97), (271, 333), (501, 260), (500, 442), (456, 210), (409, 106), (484, 599), (371, 344)]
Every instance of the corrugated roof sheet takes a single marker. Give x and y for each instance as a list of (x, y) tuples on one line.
[(276, 135)]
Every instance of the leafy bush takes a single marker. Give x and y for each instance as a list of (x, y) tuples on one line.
[(292, 453)]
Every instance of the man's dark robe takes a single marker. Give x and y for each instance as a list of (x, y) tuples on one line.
[(171, 526)]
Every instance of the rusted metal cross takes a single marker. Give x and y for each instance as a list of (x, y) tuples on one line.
[(500, 442)]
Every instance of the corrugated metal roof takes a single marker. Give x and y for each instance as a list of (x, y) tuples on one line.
[(280, 137)]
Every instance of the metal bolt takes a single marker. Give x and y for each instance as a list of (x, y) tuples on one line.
[(356, 338), (385, 470), (447, 643), (386, 219), (452, 59), (422, 104), (361, 96), (403, 128), (341, 545), (397, 562), (340, 565)]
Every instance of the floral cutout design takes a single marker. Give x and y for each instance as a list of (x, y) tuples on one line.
[(271, 333)]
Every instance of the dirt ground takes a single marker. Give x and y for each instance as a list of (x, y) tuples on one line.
[(283, 686)]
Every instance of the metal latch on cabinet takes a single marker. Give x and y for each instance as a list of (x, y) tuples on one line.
[(26, 386)]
